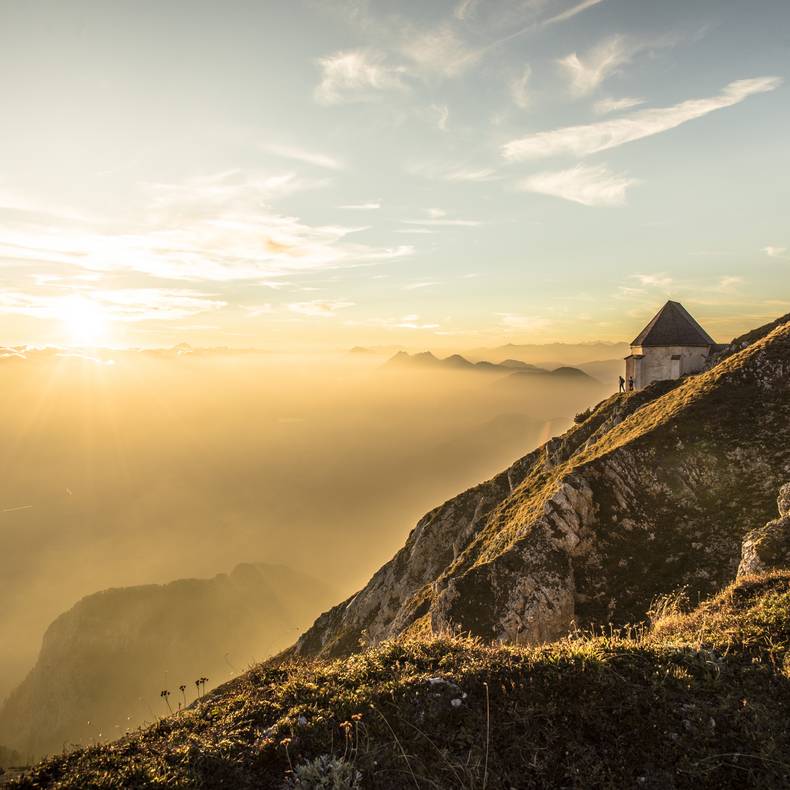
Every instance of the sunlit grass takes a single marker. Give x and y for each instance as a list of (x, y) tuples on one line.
[(698, 700)]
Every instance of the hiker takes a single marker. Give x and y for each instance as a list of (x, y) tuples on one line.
[(630, 383), (622, 384)]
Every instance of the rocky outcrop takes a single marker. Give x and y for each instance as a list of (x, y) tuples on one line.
[(769, 546), (104, 662), (654, 490)]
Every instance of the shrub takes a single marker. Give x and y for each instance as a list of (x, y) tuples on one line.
[(325, 772)]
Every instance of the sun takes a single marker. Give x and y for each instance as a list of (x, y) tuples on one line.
[(84, 321)]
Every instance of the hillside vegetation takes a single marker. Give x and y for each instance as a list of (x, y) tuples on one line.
[(699, 700), (653, 490)]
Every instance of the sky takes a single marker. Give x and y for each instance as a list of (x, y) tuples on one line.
[(316, 174)]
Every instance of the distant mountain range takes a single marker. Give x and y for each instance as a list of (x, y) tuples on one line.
[(510, 367), (551, 354)]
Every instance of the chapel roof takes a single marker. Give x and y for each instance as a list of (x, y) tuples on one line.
[(673, 325)]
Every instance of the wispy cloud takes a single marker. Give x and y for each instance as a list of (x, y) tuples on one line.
[(212, 229), (318, 308), (440, 51), (442, 115), (538, 23), (146, 304), (444, 222), (223, 191), (659, 280), (605, 106), (519, 88), (372, 206), (303, 155), (465, 9), (522, 322), (603, 135), (411, 321), (417, 286), (587, 72), (470, 174), (591, 186), (775, 252), (728, 283), (627, 292), (357, 76), (253, 311), (571, 12), (452, 172), (119, 304)]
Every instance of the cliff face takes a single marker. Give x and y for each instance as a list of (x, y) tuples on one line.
[(104, 662), (655, 490)]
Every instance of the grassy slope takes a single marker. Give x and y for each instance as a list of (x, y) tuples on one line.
[(700, 460), (685, 402), (699, 701)]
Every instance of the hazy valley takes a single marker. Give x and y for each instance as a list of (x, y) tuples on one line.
[(140, 468), (653, 499)]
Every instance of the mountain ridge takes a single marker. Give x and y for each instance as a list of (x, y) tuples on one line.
[(528, 545), (513, 368)]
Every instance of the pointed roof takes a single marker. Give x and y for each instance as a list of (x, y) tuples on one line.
[(672, 325)]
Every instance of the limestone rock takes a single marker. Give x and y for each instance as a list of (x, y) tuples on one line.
[(783, 500), (769, 546)]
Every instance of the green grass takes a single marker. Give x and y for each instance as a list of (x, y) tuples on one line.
[(699, 700)]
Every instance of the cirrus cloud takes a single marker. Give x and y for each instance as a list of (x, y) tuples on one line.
[(357, 76), (119, 304), (590, 186), (212, 229), (603, 135), (318, 308), (608, 105)]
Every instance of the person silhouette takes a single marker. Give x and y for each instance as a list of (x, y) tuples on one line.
[(622, 384), (630, 383)]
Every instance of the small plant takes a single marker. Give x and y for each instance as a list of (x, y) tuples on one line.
[(183, 689), (164, 695), (668, 607), (326, 773), (582, 416), (200, 685)]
